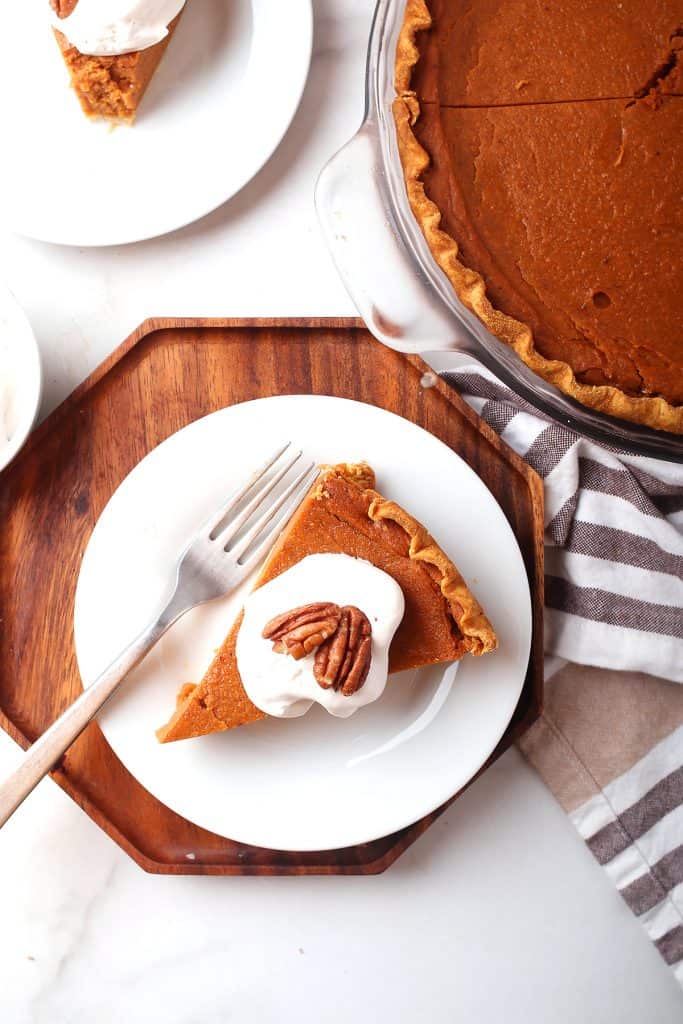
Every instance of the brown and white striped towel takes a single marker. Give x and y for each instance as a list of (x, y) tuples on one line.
[(614, 538), (608, 744)]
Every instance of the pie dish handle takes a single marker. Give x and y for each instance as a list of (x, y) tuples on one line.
[(379, 271)]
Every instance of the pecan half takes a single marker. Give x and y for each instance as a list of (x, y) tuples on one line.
[(343, 661), (300, 630)]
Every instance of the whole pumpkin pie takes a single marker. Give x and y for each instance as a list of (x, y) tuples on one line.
[(108, 86), (344, 514), (542, 149)]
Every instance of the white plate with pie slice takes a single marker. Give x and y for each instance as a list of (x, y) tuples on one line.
[(216, 109), (315, 782)]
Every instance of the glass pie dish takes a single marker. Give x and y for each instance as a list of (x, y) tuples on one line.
[(402, 294)]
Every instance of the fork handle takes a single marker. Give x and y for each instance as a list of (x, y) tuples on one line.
[(46, 751)]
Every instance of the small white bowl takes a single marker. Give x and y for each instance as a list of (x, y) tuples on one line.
[(21, 377)]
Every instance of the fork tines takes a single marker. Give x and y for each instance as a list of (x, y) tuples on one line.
[(224, 529)]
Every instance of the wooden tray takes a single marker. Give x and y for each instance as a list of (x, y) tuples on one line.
[(168, 373)]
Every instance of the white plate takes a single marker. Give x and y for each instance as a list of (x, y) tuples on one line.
[(21, 377), (220, 102), (315, 782)]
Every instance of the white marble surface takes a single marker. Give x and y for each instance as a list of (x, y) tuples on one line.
[(498, 914)]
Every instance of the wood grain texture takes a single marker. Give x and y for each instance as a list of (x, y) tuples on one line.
[(166, 374)]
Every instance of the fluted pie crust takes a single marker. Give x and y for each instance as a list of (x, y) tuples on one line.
[(653, 410), (343, 513)]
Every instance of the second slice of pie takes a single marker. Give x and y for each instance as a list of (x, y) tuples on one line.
[(111, 85), (343, 514)]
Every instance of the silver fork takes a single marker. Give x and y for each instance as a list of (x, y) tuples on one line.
[(214, 562)]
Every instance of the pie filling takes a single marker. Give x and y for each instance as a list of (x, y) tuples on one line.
[(542, 159)]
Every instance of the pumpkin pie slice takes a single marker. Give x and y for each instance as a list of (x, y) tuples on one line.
[(344, 514), (110, 87)]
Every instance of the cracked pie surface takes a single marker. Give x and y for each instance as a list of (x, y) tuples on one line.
[(344, 514), (542, 154)]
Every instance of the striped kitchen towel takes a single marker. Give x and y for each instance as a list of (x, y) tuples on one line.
[(614, 538), (609, 744)]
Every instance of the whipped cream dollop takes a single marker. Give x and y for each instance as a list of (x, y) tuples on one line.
[(285, 688), (106, 28)]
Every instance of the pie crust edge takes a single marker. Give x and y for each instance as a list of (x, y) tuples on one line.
[(478, 633)]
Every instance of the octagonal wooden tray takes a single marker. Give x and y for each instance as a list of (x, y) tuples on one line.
[(166, 374)]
